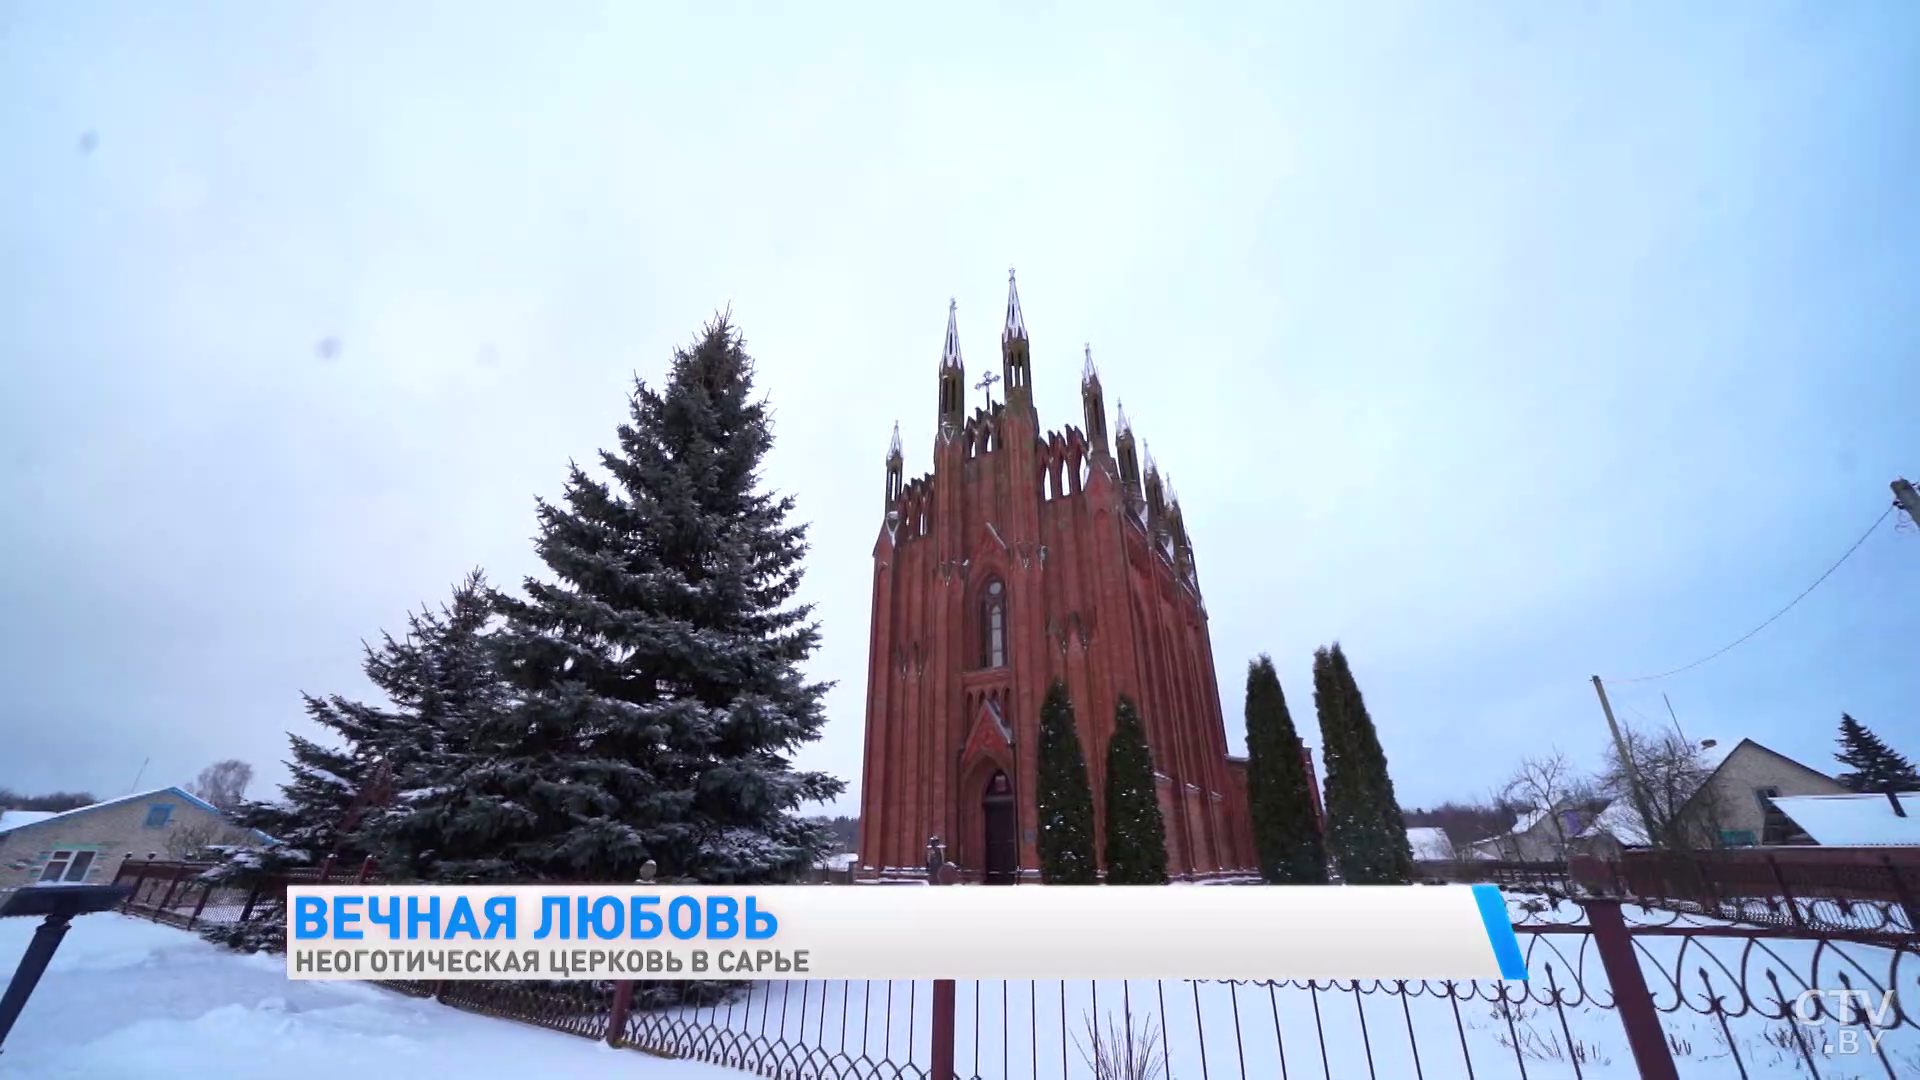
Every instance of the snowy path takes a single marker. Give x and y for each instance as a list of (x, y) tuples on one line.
[(126, 998)]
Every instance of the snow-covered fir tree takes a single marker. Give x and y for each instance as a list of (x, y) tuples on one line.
[(658, 686), (447, 695), (381, 783)]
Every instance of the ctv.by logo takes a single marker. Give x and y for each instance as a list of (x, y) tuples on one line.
[(1861, 1025)]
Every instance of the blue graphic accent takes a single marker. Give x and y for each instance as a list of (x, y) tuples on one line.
[(1506, 947)]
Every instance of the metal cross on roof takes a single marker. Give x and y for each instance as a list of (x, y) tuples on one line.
[(985, 386)]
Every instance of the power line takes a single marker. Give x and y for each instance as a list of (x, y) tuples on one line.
[(1771, 619)]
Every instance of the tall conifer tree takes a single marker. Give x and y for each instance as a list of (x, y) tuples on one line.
[(1364, 825), (1136, 834), (657, 676), (444, 682), (1065, 796), (1873, 765), (1286, 831)]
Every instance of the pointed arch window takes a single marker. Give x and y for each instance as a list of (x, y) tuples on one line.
[(993, 625)]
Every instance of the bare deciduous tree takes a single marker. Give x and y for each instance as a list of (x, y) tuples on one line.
[(224, 783), (1672, 773), (197, 841), (1553, 786)]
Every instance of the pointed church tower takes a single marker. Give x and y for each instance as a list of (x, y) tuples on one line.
[(953, 378), (1093, 404), (1129, 461), (1015, 374), (896, 461)]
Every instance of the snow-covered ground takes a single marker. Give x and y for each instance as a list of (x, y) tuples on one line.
[(133, 999)]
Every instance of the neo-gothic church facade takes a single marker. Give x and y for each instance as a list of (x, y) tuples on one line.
[(1027, 556)]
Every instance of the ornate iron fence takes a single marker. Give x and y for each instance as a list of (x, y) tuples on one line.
[(1616, 990)]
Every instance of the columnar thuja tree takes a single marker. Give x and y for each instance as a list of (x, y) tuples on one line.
[(1364, 824), (1065, 796), (1136, 834), (657, 675), (1286, 831)]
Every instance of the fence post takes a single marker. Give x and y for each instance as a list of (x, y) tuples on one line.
[(1897, 885), (1651, 1054), (617, 1018), (200, 905), (941, 1067), (1793, 905), (366, 871), (253, 897), (172, 884)]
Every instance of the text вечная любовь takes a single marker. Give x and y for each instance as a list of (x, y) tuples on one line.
[(340, 935)]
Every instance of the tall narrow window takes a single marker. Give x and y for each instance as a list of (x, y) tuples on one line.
[(993, 627)]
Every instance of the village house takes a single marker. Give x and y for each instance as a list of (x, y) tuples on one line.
[(1735, 806), (1538, 835), (86, 845)]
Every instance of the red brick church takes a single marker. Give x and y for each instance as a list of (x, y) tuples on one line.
[(1027, 556)]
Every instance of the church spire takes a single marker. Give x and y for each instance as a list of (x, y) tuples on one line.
[(1127, 458), (896, 461), (953, 376), (1094, 405), (1016, 328), (950, 352), (1014, 353)]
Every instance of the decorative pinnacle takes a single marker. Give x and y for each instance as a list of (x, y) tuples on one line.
[(1016, 328), (1121, 425), (1089, 373), (893, 448), (950, 353)]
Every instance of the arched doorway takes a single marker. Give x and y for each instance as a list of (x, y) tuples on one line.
[(1002, 839)]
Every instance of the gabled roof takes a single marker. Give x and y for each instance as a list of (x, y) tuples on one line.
[(1854, 820), (170, 791), (1719, 758), (1430, 844), (1620, 820)]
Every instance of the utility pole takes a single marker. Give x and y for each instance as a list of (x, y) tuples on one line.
[(1630, 767), (1908, 498)]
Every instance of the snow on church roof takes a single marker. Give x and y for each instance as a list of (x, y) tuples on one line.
[(1854, 820)]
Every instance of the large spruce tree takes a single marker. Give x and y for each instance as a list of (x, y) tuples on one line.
[(1286, 831), (1365, 828), (1136, 834), (1065, 796), (659, 695), (1873, 765)]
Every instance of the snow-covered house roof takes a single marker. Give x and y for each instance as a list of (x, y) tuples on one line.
[(1620, 820), (1854, 820), (35, 817), (1430, 845), (13, 819)]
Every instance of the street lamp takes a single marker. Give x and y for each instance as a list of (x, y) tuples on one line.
[(59, 904)]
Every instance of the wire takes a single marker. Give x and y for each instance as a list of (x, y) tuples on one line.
[(1771, 619)]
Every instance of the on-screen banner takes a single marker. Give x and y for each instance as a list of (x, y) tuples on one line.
[(853, 932)]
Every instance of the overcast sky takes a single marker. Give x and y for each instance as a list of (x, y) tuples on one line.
[(1505, 345)]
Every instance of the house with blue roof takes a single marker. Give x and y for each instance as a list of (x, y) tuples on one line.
[(86, 845)]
